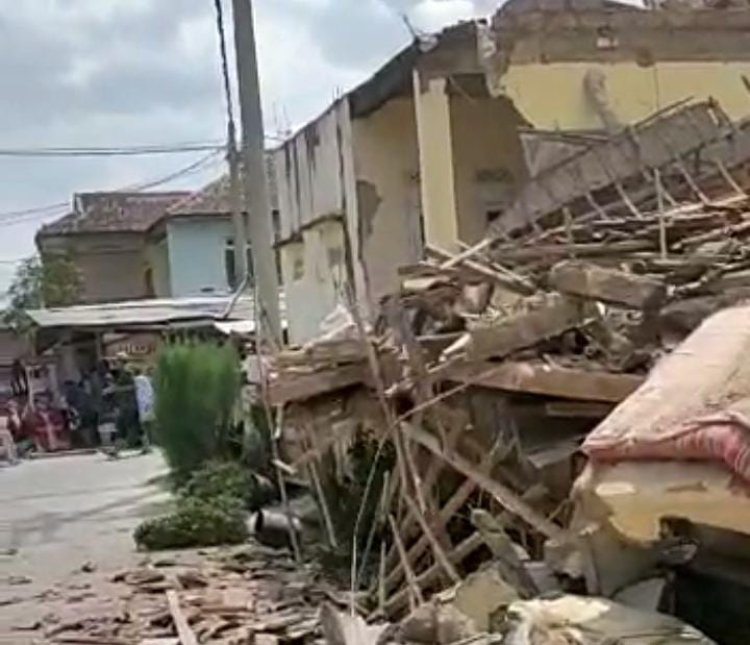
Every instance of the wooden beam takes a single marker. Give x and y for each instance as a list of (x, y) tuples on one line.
[(506, 497), (413, 584), (451, 507), (183, 629), (540, 378), (289, 386), (608, 285), (495, 273), (400, 599), (437, 549)]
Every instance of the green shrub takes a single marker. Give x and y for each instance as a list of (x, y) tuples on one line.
[(225, 479), (195, 523), (196, 388)]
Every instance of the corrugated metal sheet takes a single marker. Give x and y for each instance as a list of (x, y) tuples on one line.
[(146, 312)]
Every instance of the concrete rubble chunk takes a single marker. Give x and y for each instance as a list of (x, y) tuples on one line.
[(608, 285), (546, 316), (435, 623), (578, 620)]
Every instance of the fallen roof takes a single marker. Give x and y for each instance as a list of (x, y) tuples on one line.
[(113, 212), (144, 312)]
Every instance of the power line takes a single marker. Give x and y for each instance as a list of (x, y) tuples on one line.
[(112, 151), (224, 65), (12, 218)]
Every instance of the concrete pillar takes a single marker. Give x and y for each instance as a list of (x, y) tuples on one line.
[(437, 176)]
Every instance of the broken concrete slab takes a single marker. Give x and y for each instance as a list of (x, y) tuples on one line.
[(578, 620), (608, 285), (546, 317), (436, 623), (483, 595)]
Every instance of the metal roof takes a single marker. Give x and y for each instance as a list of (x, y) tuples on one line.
[(146, 312)]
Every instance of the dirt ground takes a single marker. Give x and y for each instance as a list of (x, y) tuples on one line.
[(65, 525)]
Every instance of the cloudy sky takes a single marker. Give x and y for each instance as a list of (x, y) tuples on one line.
[(78, 73)]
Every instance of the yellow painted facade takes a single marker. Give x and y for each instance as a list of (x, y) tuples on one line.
[(386, 169), (437, 177), (551, 95)]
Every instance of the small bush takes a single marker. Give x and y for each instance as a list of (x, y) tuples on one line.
[(195, 523), (225, 479)]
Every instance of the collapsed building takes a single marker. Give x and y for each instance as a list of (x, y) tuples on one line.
[(486, 249)]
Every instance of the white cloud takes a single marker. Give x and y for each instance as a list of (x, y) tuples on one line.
[(104, 72)]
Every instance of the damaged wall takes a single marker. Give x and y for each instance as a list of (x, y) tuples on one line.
[(386, 165), (314, 276), (632, 92), (488, 160), (314, 193), (609, 68)]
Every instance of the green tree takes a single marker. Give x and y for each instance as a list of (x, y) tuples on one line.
[(52, 282), (197, 385)]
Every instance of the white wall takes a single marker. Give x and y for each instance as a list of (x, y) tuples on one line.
[(314, 275), (312, 170), (196, 255)]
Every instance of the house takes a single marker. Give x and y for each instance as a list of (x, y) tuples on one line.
[(191, 248), (607, 64), (379, 175), (105, 236), (438, 144)]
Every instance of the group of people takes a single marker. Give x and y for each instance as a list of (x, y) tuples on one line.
[(111, 407)]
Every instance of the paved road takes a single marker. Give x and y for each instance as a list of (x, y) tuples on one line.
[(57, 514)]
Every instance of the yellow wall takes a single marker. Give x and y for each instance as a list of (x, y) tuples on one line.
[(436, 163), (485, 146), (157, 259), (314, 275), (386, 167), (552, 96)]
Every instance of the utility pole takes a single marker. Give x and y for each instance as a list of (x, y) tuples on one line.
[(254, 175)]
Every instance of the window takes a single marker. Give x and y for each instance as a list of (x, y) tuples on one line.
[(298, 268), (229, 268)]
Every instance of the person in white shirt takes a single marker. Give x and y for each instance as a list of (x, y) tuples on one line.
[(144, 396), (8, 450)]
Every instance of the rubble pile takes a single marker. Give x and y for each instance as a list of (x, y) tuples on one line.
[(487, 368), (221, 597)]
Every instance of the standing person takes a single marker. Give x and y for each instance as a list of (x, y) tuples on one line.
[(128, 425), (144, 396), (8, 450), (19, 379)]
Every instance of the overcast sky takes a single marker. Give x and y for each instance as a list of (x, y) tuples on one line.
[(128, 72)]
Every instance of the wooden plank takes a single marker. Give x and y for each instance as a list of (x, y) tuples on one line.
[(608, 285), (300, 386), (506, 497), (578, 409), (413, 584), (540, 378), (330, 352), (553, 252), (498, 274), (555, 316), (437, 549), (451, 507), (183, 629), (400, 599)]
